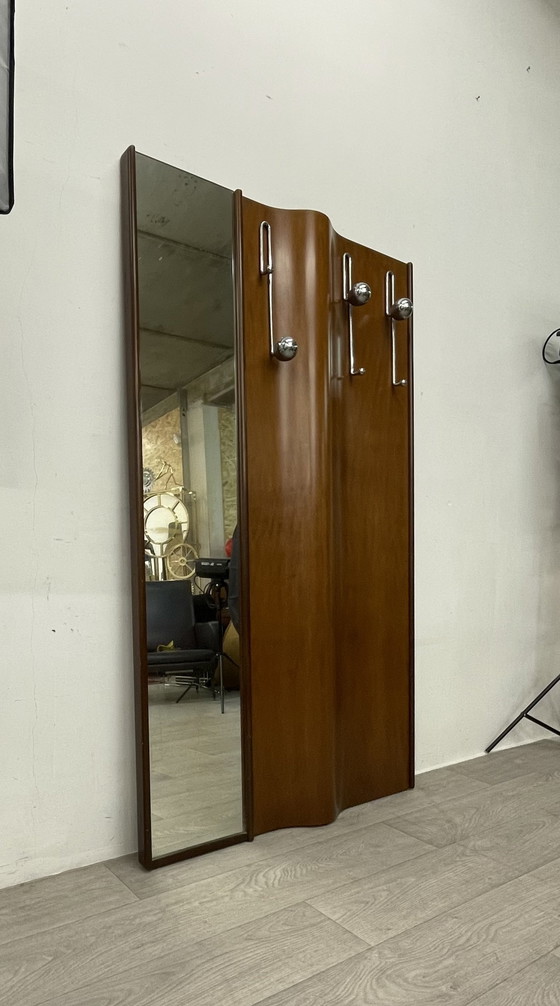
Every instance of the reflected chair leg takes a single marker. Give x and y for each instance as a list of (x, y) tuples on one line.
[(182, 695), (232, 661)]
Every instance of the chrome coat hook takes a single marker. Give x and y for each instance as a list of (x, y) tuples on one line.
[(287, 347), (395, 310), (359, 294), (402, 309), (355, 295)]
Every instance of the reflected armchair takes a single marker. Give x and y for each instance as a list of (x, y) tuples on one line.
[(170, 618)]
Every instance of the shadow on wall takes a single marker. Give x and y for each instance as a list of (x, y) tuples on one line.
[(551, 7)]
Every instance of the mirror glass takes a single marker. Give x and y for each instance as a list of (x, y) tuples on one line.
[(189, 445)]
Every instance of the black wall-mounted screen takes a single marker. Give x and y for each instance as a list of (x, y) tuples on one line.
[(6, 105)]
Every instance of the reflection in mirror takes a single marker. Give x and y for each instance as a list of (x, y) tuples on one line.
[(189, 448)]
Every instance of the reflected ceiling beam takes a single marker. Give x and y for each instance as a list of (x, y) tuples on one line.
[(182, 244), (210, 387), (213, 383), (162, 408), (185, 338)]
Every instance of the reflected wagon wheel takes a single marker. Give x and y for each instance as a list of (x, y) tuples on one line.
[(180, 561), (162, 511)]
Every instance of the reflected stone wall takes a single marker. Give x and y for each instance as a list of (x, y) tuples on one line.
[(159, 448), (228, 449)]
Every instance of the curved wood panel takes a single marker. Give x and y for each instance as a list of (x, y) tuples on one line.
[(328, 550), (288, 522)]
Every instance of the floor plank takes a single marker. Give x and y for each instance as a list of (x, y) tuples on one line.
[(379, 907), (503, 765), (457, 820), (446, 784), (138, 934), (409, 901), (448, 961), (145, 884), (537, 985), (524, 843), (53, 901), (242, 967), (195, 768), (279, 843), (200, 824)]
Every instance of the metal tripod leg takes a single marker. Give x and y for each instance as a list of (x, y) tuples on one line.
[(187, 689), (222, 697), (525, 714)]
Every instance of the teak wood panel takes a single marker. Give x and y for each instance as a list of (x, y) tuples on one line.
[(372, 538), (288, 522), (327, 529)]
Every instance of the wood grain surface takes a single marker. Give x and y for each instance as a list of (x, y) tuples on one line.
[(356, 912), (288, 522), (328, 528), (325, 505), (372, 486)]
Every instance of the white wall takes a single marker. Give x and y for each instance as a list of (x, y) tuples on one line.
[(418, 126)]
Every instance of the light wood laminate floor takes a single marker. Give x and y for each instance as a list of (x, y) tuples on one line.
[(448, 894), (195, 767)]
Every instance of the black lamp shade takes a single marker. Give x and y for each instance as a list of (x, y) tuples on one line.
[(6, 105)]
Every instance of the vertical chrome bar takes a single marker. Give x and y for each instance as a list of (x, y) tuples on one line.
[(287, 347), (389, 301), (266, 269), (389, 292), (346, 275), (346, 288)]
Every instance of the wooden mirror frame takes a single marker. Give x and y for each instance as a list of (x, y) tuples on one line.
[(134, 429)]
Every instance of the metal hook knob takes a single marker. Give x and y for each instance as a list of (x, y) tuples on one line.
[(286, 348), (359, 294), (402, 309)]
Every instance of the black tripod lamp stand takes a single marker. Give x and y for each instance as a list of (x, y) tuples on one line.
[(525, 714), (551, 356)]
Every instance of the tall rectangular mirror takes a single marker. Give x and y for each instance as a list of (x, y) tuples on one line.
[(183, 390)]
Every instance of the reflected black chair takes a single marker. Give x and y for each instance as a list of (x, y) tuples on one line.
[(170, 618)]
